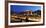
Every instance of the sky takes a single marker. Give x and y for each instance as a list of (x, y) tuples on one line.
[(20, 8)]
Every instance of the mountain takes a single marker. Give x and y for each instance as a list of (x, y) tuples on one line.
[(13, 12), (26, 12), (38, 12)]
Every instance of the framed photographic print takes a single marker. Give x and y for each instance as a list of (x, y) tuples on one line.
[(20, 13)]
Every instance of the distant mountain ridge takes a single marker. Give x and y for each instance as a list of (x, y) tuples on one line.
[(38, 12)]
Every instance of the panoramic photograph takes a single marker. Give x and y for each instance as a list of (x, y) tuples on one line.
[(22, 13)]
